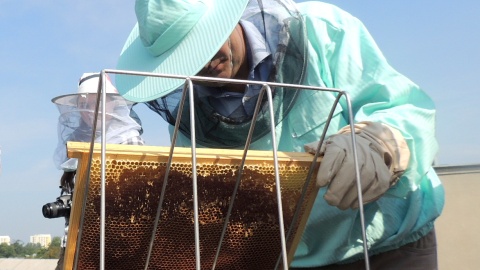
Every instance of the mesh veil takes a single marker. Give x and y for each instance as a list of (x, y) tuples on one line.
[(286, 39), (121, 125)]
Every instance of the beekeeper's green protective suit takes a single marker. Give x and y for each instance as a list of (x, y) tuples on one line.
[(342, 55)]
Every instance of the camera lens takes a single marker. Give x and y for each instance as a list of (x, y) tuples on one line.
[(55, 209)]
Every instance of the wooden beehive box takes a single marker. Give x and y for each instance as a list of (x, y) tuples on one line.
[(134, 179)]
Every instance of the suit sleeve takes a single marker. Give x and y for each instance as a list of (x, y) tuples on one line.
[(347, 58)]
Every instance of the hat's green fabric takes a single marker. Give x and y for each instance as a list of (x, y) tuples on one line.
[(173, 37)]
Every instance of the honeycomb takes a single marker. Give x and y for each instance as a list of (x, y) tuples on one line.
[(132, 192)]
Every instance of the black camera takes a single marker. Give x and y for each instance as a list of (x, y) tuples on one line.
[(59, 208)]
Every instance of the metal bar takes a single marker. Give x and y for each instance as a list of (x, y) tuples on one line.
[(102, 185), (87, 182), (277, 177), (211, 79), (310, 172), (194, 174), (165, 178), (240, 172), (359, 182)]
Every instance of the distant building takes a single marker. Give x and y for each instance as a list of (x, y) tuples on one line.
[(5, 239), (43, 239)]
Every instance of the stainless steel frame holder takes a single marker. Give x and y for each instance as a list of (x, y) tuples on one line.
[(188, 90)]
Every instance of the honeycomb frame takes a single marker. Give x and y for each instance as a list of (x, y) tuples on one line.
[(134, 177)]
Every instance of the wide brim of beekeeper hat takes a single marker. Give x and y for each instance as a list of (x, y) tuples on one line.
[(87, 84), (173, 37)]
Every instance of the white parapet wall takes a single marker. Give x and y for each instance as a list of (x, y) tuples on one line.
[(458, 228)]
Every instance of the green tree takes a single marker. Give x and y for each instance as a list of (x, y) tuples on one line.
[(7, 251), (41, 253), (32, 249), (53, 251), (19, 249)]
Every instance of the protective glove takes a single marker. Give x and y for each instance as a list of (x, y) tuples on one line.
[(383, 156)]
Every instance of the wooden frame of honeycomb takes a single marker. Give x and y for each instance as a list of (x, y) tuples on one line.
[(133, 181)]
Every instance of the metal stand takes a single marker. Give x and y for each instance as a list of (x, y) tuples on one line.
[(188, 90)]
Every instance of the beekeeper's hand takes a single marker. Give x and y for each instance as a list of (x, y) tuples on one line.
[(383, 156)]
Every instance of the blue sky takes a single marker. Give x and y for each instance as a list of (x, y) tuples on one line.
[(45, 46)]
